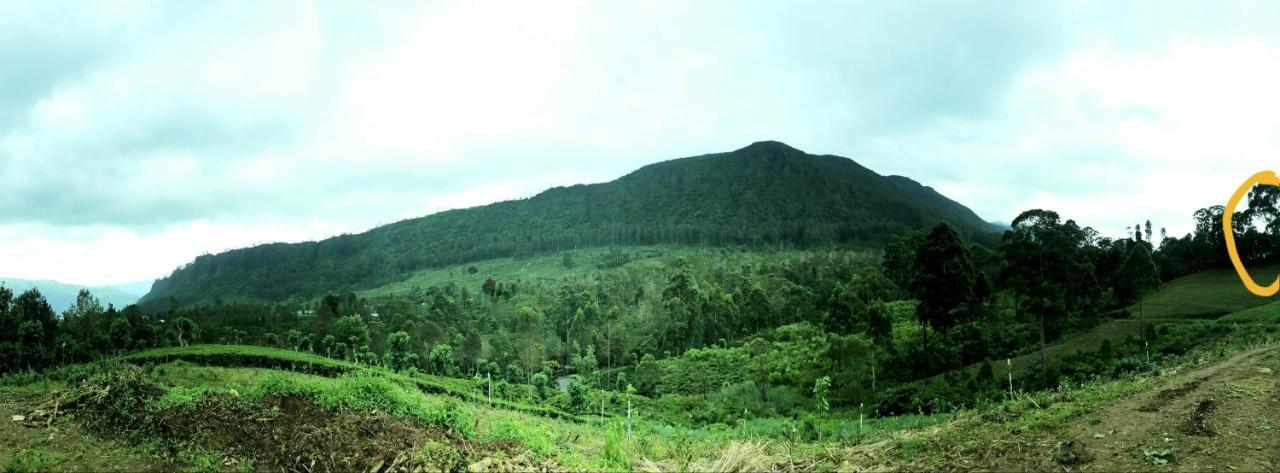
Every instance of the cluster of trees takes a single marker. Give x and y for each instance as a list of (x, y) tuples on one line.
[(33, 336), (1257, 235), (1046, 276), (746, 331)]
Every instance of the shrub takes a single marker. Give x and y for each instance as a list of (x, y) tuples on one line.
[(367, 393), (532, 436), (613, 446), (437, 456)]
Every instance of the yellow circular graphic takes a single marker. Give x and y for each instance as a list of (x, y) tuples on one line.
[(1264, 177)]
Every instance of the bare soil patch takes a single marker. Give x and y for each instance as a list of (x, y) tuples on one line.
[(1219, 417), (278, 433)]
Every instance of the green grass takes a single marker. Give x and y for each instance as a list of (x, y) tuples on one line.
[(1204, 295), (595, 444), (1269, 313), (602, 444), (367, 392), (302, 362), (977, 437), (26, 461)]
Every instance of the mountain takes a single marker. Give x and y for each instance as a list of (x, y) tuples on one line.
[(62, 295), (137, 288), (767, 193)]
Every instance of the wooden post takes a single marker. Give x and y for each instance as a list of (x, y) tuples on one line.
[(1009, 364), (860, 421), (628, 415), (490, 378)]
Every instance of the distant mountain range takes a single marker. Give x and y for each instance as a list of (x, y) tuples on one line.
[(62, 295), (765, 194)]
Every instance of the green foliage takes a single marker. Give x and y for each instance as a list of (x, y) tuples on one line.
[(514, 373), (821, 388), (577, 392), (946, 283), (25, 461), (763, 194), (180, 396), (441, 360), (437, 456), (366, 393), (647, 375), (352, 332), (614, 446), (535, 438), (399, 355)]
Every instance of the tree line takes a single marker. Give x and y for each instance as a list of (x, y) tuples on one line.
[(747, 328)]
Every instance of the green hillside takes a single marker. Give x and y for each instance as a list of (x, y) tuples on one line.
[(1204, 295), (764, 194)]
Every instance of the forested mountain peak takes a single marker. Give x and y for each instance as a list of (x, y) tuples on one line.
[(769, 147), (766, 193)]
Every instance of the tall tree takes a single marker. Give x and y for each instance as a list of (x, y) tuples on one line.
[(1047, 269), (945, 280), (1139, 273)]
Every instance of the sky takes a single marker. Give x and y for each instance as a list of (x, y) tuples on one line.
[(136, 135)]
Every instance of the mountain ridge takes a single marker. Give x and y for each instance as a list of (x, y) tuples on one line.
[(766, 193), (62, 295)]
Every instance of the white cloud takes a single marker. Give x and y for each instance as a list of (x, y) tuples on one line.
[(146, 133), (1111, 137)]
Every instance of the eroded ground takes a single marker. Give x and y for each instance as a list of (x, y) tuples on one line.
[(1223, 417)]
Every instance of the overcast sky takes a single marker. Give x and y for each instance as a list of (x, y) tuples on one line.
[(136, 135)]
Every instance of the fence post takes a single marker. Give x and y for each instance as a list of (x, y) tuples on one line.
[(860, 421), (1009, 364)]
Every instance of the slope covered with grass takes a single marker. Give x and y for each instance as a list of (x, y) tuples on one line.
[(1204, 295), (243, 413), (223, 408)]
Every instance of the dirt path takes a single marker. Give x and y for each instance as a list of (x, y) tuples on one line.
[(1222, 417)]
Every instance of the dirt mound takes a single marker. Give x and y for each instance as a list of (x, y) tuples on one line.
[(1071, 453), (1163, 396), (1195, 423), (288, 433), (295, 434), (113, 401)]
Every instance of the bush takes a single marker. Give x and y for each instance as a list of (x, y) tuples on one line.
[(613, 446), (367, 393), (438, 456), (532, 436)]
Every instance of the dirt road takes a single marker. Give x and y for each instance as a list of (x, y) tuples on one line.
[(1221, 417)]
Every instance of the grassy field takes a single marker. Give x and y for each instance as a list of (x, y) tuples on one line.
[(1204, 295), (175, 408), (1205, 298), (180, 385), (1215, 296)]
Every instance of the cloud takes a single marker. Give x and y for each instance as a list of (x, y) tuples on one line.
[(136, 135), (1111, 137)]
